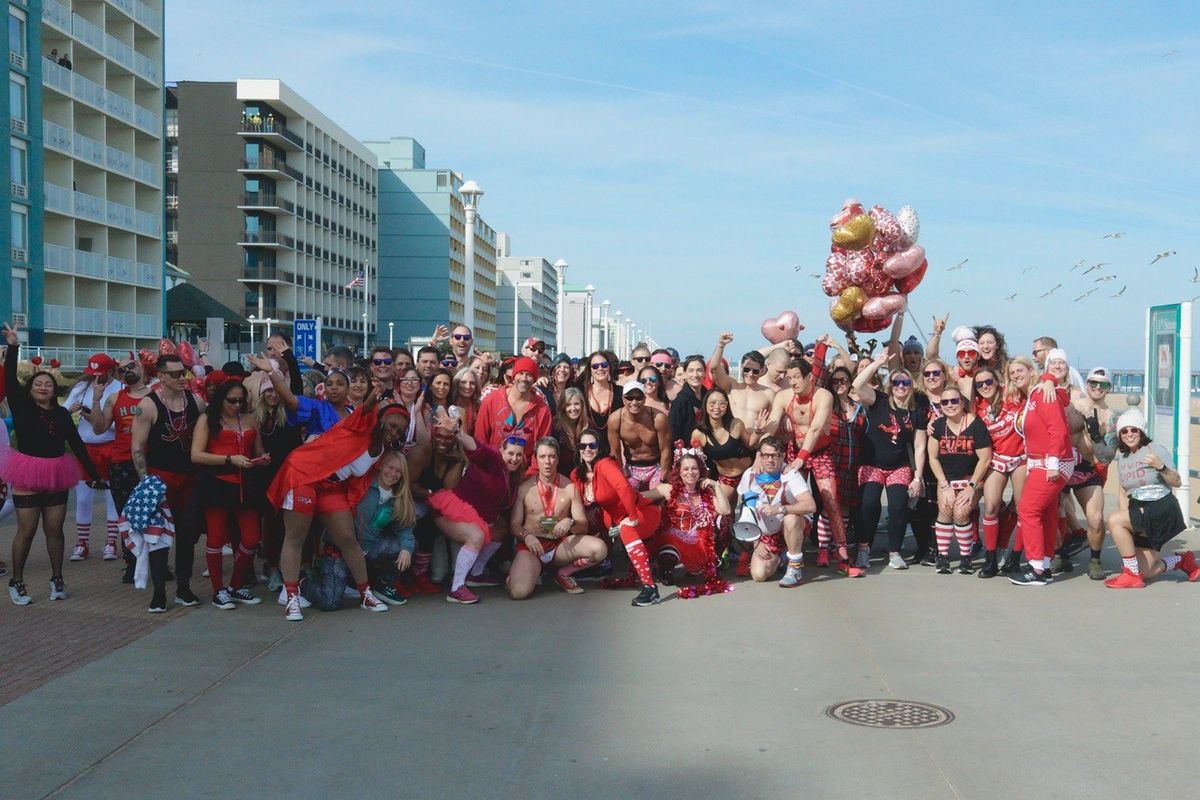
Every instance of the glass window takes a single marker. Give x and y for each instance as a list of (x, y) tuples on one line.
[(19, 305), (16, 165), (16, 100), (16, 34), (20, 229)]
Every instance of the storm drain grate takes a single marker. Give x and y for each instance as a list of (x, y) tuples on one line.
[(901, 714)]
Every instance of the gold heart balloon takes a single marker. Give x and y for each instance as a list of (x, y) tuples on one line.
[(857, 234), (854, 297)]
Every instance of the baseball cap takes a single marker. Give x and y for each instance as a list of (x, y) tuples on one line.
[(634, 386), (99, 364), (967, 346), (533, 342), (1100, 374)]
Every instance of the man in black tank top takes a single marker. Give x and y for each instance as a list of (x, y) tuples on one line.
[(162, 446)]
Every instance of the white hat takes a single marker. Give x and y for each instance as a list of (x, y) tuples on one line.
[(1057, 354), (967, 345), (1133, 418), (1100, 374), (963, 332), (634, 386)]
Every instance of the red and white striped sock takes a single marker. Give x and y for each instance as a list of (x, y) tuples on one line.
[(420, 565), (112, 532), (824, 532), (966, 539), (944, 532), (991, 532), (83, 531)]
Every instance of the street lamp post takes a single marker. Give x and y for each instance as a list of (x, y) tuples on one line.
[(604, 325), (252, 333), (617, 326), (391, 335), (588, 330), (471, 194), (560, 269)]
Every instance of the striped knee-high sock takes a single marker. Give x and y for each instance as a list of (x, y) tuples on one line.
[(966, 539), (943, 532), (991, 533), (824, 532), (83, 531), (112, 532)]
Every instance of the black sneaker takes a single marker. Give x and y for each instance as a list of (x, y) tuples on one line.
[(185, 597), (127, 577), (1012, 564), (989, 568), (943, 565), (928, 560), (648, 596), (1030, 577), (1074, 544), (965, 568), (158, 603), (223, 601)]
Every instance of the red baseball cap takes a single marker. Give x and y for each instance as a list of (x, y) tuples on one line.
[(99, 364), (533, 342)]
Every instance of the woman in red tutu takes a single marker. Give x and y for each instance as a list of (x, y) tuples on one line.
[(688, 532), (40, 471)]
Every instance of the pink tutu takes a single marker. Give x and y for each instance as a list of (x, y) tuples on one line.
[(455, 509), (34, 474)]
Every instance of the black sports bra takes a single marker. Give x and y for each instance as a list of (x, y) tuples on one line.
[(731, 448)]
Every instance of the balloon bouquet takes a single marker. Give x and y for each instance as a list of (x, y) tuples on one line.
[(875, 262)]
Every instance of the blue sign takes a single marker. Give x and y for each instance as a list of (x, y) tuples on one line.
[(306, 338)]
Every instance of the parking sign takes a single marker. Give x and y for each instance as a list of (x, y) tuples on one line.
[(305, 337)]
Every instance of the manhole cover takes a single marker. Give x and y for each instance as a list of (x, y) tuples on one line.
[(890, 714)]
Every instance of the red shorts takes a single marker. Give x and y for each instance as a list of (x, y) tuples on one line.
[(101, 455), (900, 476), (549, 546), (314, 499), (180, 486), (773, 543)]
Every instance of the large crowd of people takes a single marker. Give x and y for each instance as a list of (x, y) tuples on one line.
[(398, 474)]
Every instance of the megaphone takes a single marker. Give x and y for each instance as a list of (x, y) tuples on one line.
[(747, 529)]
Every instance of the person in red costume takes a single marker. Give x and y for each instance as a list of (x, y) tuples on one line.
[(600, 481), (1049, 464), (518, 410), (998, 406), (327, 478)]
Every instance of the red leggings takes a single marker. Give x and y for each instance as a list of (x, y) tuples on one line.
[(217, 520), (1038, 515)]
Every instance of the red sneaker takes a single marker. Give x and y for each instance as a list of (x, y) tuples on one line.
[(567, 583), (423, 585), (850, 571), (822, 557), (743, 565), (1188, 564), (462, 595), (1125, 580)]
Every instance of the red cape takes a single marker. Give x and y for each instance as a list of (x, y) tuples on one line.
[(318, 459)]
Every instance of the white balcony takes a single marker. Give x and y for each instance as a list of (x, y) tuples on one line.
[(146, 67), (147, 325), (149, 275), (118, 51), (147, 17), (147, 172), (87, 33), (121, 323), (56, 14), (56, 136)]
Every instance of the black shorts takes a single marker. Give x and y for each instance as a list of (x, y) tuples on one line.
[(1155, 522), (40, 500)]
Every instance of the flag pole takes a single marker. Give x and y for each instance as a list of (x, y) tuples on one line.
[(366, 303)]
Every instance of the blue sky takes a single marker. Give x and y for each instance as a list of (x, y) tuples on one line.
[(684, 157)]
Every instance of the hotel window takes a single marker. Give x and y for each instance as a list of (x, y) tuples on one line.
[(17, 171), (16, 99), (16, 34), (19, 306), (20, 228)]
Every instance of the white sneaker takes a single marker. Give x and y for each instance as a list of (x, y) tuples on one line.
[(110, 550), (896, 561), (226, 550), (283, 599), (58, 591), (293, 609), (372, 603), (80, 552), (16, 593), (350, 592), (204, 574)]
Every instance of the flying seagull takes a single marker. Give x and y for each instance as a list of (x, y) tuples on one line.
[(1090, 269), (959, 265), (1118, 294), (1011, 297), (957, 291), (1027, 269), (1078, 264), (1052, 291), (1113, 235), (1085, 294), (1162, 255), (1196, 275), (1105, 278), (1170, 53)]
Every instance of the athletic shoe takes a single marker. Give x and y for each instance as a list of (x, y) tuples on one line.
[(1125, 580), (226, 550), (1095, 569), (350, 591), (943, 565), (153, 609), (664, 567), (896, 561), (822, 558), (990, 568), (1061, 563), (185, 597), (1012, 564), (58, 591), (274, 581), (80, 552), (422, 584), (389, 595), (791, 578), (223, 601), (17, 593), (743, 564), (484, 580), (929, 560), (1030, 577), (965, 568), (648, 596), (567, 583), (158, 604), (293, 606), (205, 573), (243, 597), (1074, 543), (462, 595), (110, 550), (850, 570), (283, 599), (1187, 563), (372, 603)]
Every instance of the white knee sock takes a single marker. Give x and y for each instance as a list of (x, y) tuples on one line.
[(462, 565), (485, 555)]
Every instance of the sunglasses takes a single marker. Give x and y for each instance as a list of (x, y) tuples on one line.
[(1100, 385), (127, 368), (173, 373), (650, 379), (640, 359), (895, 382), (462, 337), (600, 365), (751, 370), (932, 373), (381, 362), (808, 353), (985, 382), (662, 364), (1124, 431), (449, 363), (951, 401), (235, 401), (589, 445), (514, 439), (844, 381)]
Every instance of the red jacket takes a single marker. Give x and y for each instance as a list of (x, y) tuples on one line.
[(321, 457), (495, 421), (1045, 428), (616, 498)]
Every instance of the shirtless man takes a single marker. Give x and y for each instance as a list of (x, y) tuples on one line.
[(747, 397), (640, 439), (1093, 433), (775, 376), (809, 410), (550, 526)]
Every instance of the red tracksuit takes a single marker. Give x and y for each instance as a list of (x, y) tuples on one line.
[(1048, 446)]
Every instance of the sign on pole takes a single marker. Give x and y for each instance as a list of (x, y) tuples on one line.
[(1168, 386), (306, 339)]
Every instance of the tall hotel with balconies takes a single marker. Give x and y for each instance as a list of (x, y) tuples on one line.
[(85, 248), (271, 207)]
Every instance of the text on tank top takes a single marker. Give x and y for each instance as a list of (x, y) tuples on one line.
[(169, 445)]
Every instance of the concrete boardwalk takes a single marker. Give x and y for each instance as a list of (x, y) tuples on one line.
[(1068, 691)]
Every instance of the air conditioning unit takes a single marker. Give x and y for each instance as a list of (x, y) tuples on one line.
[(20, 319), (19, 190), (18, 125), (19, 255)]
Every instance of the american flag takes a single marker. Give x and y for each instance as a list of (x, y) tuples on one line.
[(359, 281)]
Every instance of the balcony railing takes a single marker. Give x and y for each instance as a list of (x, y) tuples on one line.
[(146, 16), (149, 275), (272, 165), (172, 237), (267, 238), (87, 33), (118, 51), (75, 85), (56, 14), (120, 269), (147, 325), (147, 172), (266, 275), (146, 67), (96, 209), (266, 200), (272, 127), (172, 202)]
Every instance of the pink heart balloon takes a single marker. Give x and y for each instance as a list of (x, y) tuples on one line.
[(904, 263), (883, 307), (781, 328)]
